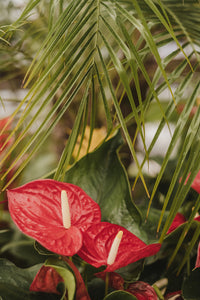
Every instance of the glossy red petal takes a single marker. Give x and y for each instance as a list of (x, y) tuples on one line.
[(178, 220), (36, 210), (142, 291), (97, 241), (46, 280)]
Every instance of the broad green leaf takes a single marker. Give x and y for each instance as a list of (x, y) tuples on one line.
[(11, 292), (18, 246), (150, 224), (190, 287), (103, 177), (13, 275)]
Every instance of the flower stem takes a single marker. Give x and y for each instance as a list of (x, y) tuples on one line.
[(106, 283)]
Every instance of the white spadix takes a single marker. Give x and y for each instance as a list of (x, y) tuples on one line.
[(65, 210), (114, 248)]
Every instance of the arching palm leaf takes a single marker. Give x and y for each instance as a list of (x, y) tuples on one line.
[(93, 52)]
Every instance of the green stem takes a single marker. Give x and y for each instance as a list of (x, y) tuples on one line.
[(106, 283)]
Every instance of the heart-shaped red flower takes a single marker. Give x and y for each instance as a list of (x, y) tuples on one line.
[(98, 240), (36, 208)]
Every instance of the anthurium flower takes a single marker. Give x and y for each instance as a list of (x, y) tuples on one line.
[(142, 291), (113, 246), (53, 213), (46, 280)]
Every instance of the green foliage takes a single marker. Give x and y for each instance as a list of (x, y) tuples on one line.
[(98, 64), (103, 177)]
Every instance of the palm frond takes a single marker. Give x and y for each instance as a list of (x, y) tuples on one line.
[(93, 53)]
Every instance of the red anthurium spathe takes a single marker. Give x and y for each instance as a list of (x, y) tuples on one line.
[(46, 280), (53, 213), (114, 246), (178, 220), (142, 291)]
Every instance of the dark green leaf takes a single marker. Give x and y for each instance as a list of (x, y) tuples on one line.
[(22, 278), (103, 177), (10, 292)]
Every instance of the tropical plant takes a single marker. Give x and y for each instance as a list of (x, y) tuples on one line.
[(95, 76)]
